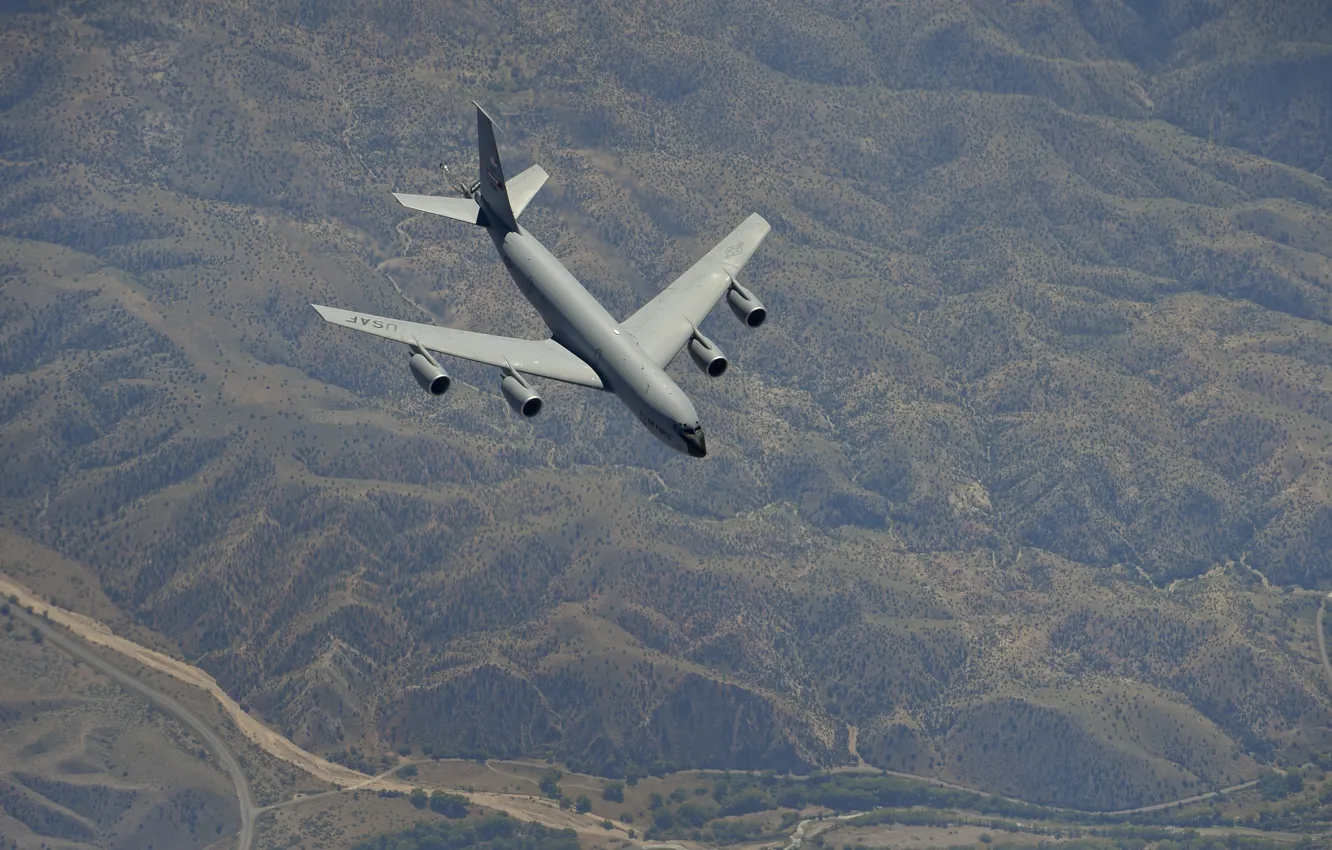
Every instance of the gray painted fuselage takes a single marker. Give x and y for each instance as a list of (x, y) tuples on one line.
[(579, 323)]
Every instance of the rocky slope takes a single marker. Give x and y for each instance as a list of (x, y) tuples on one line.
[(1050, 287)]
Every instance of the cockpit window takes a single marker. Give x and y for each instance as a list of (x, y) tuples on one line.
[(686, 429)]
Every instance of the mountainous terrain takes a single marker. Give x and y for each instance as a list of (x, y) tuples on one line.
[(1025, 484), (86, 765)]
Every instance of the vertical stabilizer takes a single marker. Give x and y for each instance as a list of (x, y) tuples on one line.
[(494, 193)]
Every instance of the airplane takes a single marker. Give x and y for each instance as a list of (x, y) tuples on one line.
[(587, 346)]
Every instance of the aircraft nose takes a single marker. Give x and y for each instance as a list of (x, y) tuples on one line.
[(697, 446)]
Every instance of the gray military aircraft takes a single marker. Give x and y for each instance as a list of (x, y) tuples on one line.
[(587, 346)]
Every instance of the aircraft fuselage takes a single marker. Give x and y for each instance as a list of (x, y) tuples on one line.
[(579, 323)]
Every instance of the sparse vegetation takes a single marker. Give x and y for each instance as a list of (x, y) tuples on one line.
[(490, 833), (550, 784), (449, 805), (103, 761), (357, 760), (1050, 333)]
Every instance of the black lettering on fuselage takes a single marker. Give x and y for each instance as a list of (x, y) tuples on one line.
[(653, 424)]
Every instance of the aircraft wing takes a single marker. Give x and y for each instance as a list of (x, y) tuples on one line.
[(544, 358), (663, 325)]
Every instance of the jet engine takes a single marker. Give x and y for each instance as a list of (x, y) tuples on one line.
[(520, 395), (745, 306), (428, 373), (707, 355)]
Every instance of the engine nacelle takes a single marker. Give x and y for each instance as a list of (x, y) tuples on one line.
[(745, 306), (432, 378), (520, 395), (707, 355)]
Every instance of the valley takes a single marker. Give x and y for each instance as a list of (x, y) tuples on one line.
[(1026, 478)]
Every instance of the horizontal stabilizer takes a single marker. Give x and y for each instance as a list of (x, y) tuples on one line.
[(462, 209), (524, 187)]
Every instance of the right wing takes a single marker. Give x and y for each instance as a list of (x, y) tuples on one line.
[(663, 325), (544, 358)]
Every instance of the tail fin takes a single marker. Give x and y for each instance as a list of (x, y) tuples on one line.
[(492, 201), (494, 193)]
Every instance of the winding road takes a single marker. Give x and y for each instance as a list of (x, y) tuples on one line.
[(86, 629), (1322, 641), (344, 778), (798, 837), (249, 812)]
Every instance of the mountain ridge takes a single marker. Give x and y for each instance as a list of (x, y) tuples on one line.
[(1035, 336)]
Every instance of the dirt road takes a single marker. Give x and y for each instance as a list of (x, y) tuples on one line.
[(244, 795), (529, 808)]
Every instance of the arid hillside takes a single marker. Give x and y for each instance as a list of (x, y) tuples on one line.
[(85, 765), (1025, 484)]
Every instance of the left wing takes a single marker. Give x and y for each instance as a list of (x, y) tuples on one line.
[(663, 325), (544, 358)]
